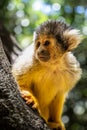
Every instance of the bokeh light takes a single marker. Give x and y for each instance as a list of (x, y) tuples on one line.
[(25, 22), (80, 9)]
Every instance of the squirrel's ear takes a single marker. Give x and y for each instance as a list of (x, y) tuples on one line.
[(72, 38)]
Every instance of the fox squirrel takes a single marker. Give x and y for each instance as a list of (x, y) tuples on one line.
[(47, 70)]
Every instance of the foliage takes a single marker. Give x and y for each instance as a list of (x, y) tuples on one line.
[(21, 17)]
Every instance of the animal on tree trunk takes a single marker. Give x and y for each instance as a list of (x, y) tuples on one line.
[(47, 70)]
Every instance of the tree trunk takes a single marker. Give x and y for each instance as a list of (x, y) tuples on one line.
[(14, 113)]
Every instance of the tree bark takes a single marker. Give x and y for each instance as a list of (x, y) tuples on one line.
[(14, 113)]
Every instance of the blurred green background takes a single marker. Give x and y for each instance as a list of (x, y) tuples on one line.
[(21, 17)]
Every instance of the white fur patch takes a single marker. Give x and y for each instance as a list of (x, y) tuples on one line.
[(25, 59), (73, 32), (34, 36)]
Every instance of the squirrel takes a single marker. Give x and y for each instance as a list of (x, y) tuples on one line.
[(47, 70)]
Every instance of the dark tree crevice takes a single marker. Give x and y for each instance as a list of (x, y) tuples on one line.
[(10, 45)]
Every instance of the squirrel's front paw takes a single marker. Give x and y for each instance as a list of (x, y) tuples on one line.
[(29, 99)]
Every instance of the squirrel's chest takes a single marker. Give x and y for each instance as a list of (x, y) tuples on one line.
[(47, 80), (47, 85)]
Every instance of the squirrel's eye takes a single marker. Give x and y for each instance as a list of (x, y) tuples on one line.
[(38, 44), (46, 43)]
